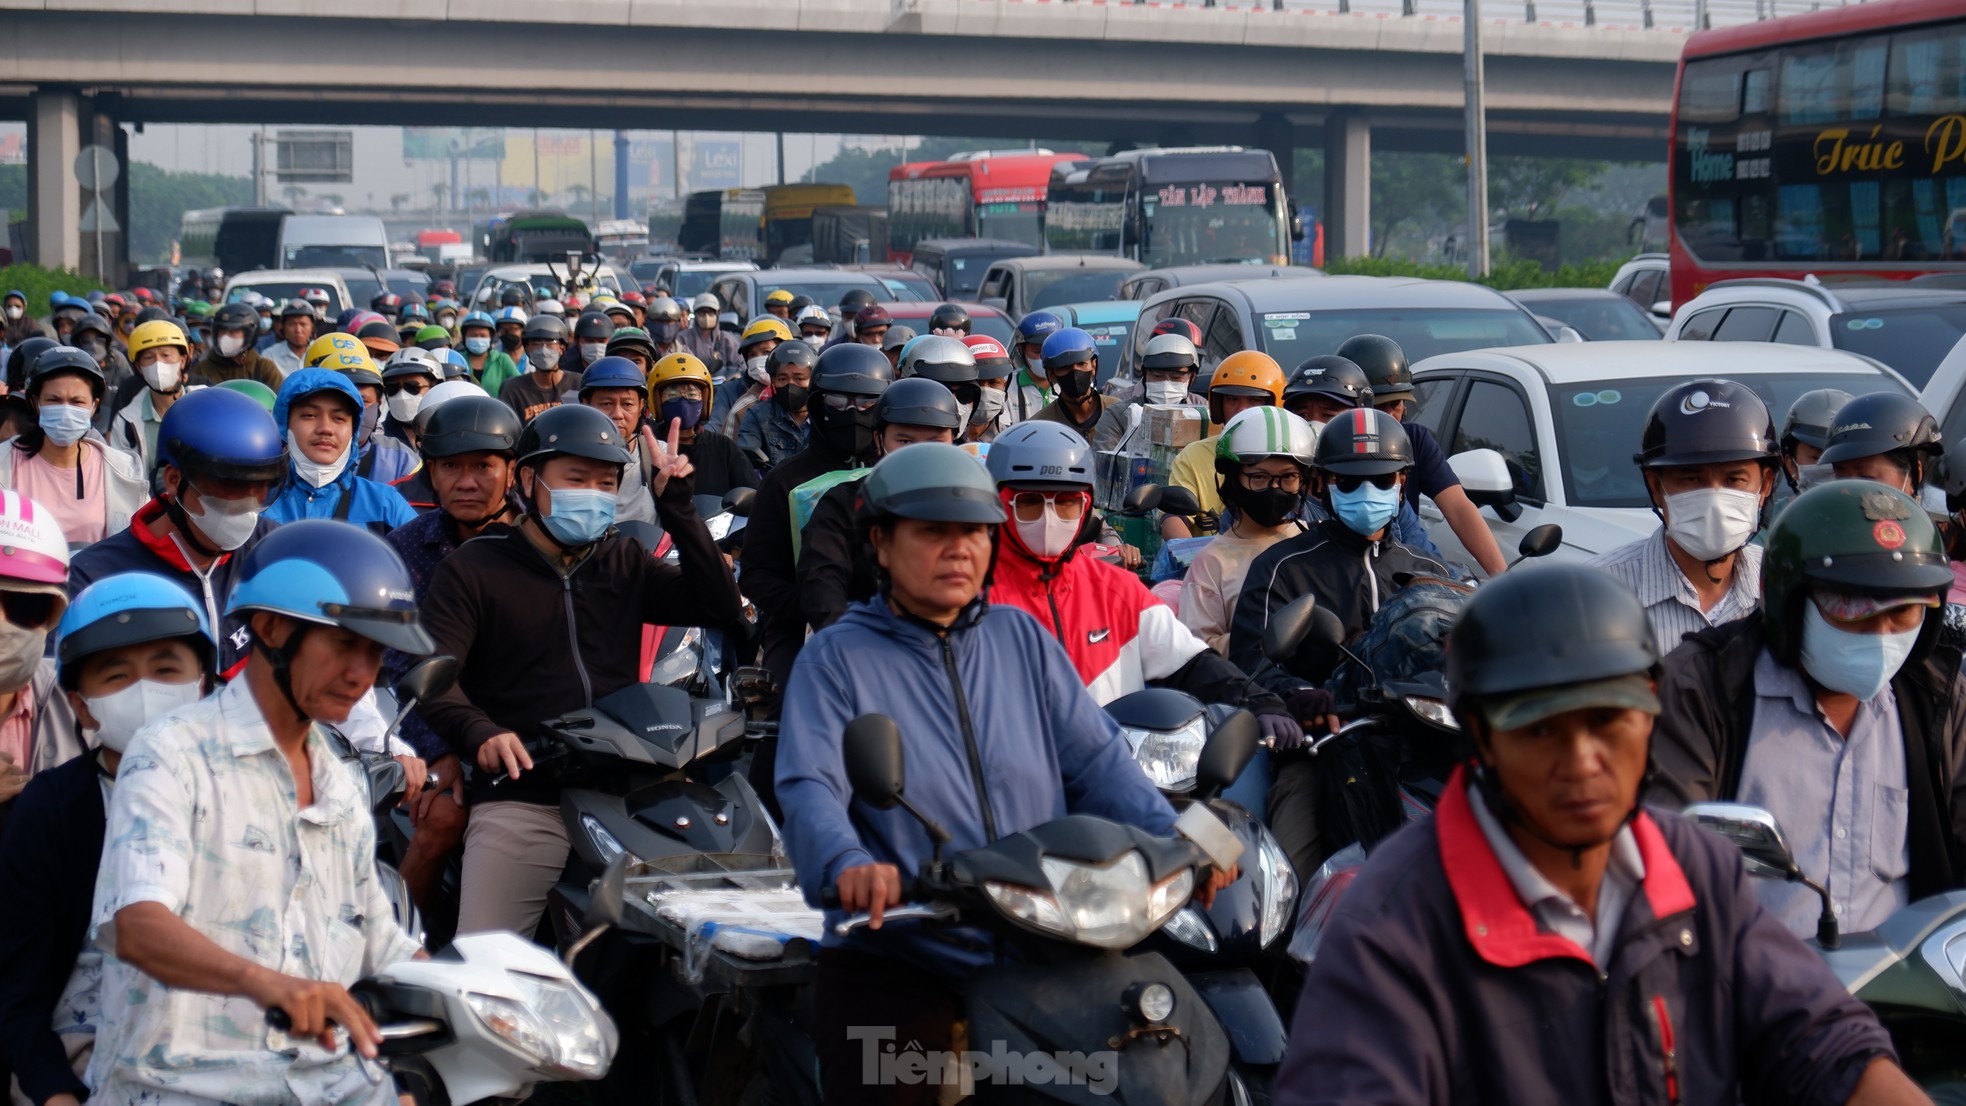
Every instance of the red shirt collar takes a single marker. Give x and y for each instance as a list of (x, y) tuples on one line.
[(1500, 928)]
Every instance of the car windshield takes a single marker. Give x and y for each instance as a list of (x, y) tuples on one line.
[(1911, 340), (823, 291), (282, 291), (1598, 425), (691, 283), (1599, 318), (1109, 339), (902, 289), (1295, 336), (645, 269), (362, 290), (1049, 287), (410, 286), (962, 274)]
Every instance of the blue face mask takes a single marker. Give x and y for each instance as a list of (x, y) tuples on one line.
[(64, 423), (1854, 664), (664, 333), (690, 411), (578, 516), (1366, 510), (477, 344)]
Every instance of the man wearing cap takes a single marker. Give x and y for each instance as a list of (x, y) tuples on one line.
[(712, 345), (295, 330), (1834, 707)]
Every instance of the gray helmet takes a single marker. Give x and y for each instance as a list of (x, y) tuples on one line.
[(1042, 455), (1331, 376), (1811, 416), (918, 401), (1546, 626), (544, 328), (896, 337), (932, 482), (852, 369), (1169, 353), (664, 308), (941, 359)]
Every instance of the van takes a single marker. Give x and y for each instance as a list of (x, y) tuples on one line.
[(333, 241)]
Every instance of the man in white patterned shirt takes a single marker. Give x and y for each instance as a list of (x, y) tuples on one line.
[(1708, 456)]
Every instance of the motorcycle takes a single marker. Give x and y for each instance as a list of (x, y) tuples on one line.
[(1911, 970)]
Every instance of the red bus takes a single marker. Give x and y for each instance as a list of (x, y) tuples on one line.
[(986, 194), (1832, 143)]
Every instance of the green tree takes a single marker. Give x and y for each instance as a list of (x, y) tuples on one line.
[(159, 198)]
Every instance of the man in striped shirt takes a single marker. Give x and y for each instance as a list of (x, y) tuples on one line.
[(1708, 455)]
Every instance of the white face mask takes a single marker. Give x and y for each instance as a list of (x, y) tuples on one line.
[(1167, 392), (162, 375), (989, 405), (591, 352), (756, 369), (317, 475), (15, 311), (20, 654), (120, 714), (1050, 536), (225, 523), (814, 340), (1710, 523), (403, 406), (230, 345)]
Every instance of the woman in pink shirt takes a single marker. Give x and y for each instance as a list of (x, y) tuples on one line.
[(62, 462)]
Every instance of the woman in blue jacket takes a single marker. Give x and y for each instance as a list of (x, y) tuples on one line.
[(319, 411)]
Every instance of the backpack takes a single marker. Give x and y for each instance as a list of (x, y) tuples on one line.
[(1407, 636), (805, 498)]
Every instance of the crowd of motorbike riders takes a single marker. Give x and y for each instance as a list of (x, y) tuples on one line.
[(220, 526)]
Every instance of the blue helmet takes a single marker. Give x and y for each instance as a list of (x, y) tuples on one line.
[(455, 366), (612, 372), (1068, 347), (478, 318), (1041, 454), (223, 434), (1037, 326), (15, 294), (129, 609), (306, 382), (332, 573), (57, 297), (510, 315)]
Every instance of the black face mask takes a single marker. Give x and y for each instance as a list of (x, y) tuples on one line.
[(510, 342), (1076, 385), (849, 432), (1268, 507), (967, 392), (792, 397)]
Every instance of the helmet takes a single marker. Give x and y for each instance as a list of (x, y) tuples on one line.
[(319, 349), (332, 573), (477, 318), (992, 359), (593, 326), (413, 312), (614, 372), (764, 329), (1705, 421), (90, 324), (778, 295), (235, 316), (944, 360), (224, 434), (442, 393), (504, 315), (800, 303), (512, 296), (157, 335), (153, 314), (307, 382), (1363, 442), (379, 335), (544, 328), (1038, 326), (297, 309), (33, 548), (432, 337), (65, 360), (1854, 536), (1332, 377), (1067, 346), (1547, 626), (253, 389), (631, 337), (1810, 418), (1874, 423), (1170, 353), (686, 366), (316, 297), (949, 316), (898, 337), (1264, 432), (814, 315), (792, 353), (633, 297), (852, 369), (872, 317), (1248, 373), (413, 362), (468, 424), (455, 366), (385, 303), (571, 429), (1384, 364), (20, 366), (664, 309), (550, 306), (129, 608), (917, 401), (855, 300), (617, 308), (706, 301), (933, 482), (1041, 455)]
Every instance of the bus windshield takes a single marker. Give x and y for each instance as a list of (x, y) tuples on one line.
[(1013, 222), (336, 257), (1207, 223)]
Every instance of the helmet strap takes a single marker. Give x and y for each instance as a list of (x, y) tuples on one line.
[(281, 661)]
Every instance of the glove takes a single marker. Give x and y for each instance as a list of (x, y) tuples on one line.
[(1310, 704), (1281, 731)]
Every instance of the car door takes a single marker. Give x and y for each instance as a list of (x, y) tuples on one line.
[(995, 291), (1490, 411)]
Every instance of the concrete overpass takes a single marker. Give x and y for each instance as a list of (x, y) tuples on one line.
[(1168, 74)]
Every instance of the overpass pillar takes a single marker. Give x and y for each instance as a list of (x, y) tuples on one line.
[(1347, 186), (54, 199)]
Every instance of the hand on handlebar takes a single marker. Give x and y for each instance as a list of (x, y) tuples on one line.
[(312, 1008), (504, 753), (1217, 881), (416, 774), (871, 888), (1313, 707)]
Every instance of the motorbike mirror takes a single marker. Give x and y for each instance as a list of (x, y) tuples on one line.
[(1288, 628), (1226, 754), (1754, 831), (605, 895), (1143, 498), (427, 679), (1177, 500), (738, 501), (387, 781), (872, 749), (1541, 541)]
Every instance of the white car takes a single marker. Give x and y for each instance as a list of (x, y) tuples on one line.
[(281, 285), (535, 278), (1907, 325), (1546, 433), (1646, 280)]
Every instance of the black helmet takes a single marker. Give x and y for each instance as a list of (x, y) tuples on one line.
[(236, 316), (1811, 416), (544, 328), (20, 366), (593, 326), (92, 323), (949, 316), (1363, 442), (793, 353), (1883, 422), (934, 482), (853, 301), (470, 424), (918, 401), (571, 429), (1331, 376), (1384, 364), (851, 369), (153, 313), (65, 359), (798, 304), (296, 309), (513, 296), (1704, 422), (664, 309), (1549, 627), (1853, 536)]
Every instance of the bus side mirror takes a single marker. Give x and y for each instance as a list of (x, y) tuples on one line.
[(1296, 223)]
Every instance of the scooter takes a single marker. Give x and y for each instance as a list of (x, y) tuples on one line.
[(1911, 971)]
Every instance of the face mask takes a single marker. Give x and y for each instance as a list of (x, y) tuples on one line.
[(690, 411), (664, 333), (15, 311), (578, 516), (1367, 510), (64, 423), (1075, 385), (120, 714), (1166, 392), (756, 369), (989, 405), (230, 345), (509, 342), (1267, 508), (792, 397), (403, 406), (1808, 476), (591, 352), (850, 433), (95, 348), (477, 345), (1854, 664), (316, 475), (543, 359), (1050, 537), (162, 375), (265, 324), (814, 340), (225, 523), (20, 654), (1710, 523)]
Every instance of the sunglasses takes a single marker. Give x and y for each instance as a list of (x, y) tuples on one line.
[(1350, 484), (853, 403), (28, 610), (1067, 506), (413, 387)]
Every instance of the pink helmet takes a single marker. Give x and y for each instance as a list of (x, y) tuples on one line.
[(32, 547)]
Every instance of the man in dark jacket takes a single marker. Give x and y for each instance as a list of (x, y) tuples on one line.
[(232, 357), (508, 602), (1835, 708), (1542, 939)]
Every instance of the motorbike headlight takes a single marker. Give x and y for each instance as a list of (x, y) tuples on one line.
[(1191, 927), (1033, 906), (555, 1025), (512, 1023), (605, 843), (1169, 757), (1431, 711), (1278, 884)]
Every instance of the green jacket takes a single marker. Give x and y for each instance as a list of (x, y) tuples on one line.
[(498, 369)]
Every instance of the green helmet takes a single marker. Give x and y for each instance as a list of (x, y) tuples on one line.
[(253, 388), (1852, 536), (932, 482)]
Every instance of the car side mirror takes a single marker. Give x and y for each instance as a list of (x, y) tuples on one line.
[(1177, 500), (738, 501), (427, 679), (1296, 223), (1288, 627), (1484, 475), (1568, 334), (1754, 831), (1226, 753), (872, 752), (1663, 309)]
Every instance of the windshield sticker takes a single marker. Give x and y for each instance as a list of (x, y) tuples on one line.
[(1282, 318), (1865, 324), (1283, 333), (1606, 397)]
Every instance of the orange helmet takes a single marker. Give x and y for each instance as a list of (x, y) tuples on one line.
[(1248, 373)]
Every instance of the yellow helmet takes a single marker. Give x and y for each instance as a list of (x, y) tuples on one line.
[(682, 366), (347, 361), (761, 329), (337, 342), (155, 334), (779, 295)]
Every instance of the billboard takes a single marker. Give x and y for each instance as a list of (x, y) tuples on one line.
[(716, 163), (448, 142)]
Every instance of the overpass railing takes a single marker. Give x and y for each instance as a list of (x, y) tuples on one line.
[(1667, 15)]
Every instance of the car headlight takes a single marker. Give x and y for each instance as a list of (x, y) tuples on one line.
[(1169, 757), (561, 1030), (1110, 907), (1431, 711), (1191, 927), (605, 843), (1279, 887)]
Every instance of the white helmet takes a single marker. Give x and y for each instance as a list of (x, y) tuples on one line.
[(1263, 432), (414, 360), (550, 307), (33, 550), (444, 393), (813, 313), (708, 301)]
